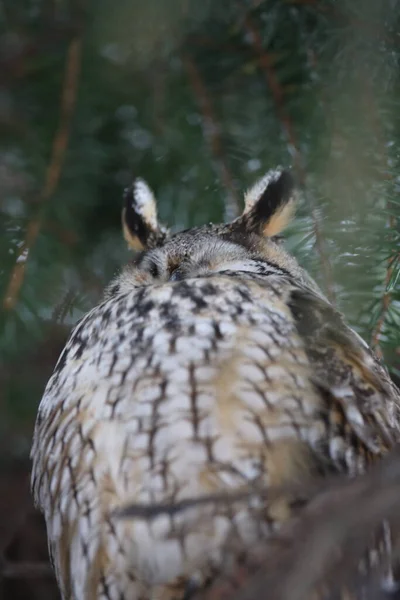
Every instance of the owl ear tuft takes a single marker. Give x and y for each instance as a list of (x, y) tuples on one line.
[(140, 224), (270, 203)]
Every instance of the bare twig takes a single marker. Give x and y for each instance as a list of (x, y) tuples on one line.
[(212, 134), (28, 570), (267, 66), (151, 511), (60, 143)]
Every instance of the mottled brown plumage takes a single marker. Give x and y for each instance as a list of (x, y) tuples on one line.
[(214, 365)]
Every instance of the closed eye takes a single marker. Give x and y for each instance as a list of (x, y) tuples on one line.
[(154, 269), (176, 275)]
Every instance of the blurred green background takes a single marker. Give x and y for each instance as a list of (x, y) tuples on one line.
[(199, 98)]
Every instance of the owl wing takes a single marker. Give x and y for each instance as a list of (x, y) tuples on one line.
[(361, 400), (362, 410)]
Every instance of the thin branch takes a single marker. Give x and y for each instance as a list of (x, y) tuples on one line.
[(25, 570), (386, 472), (151, 511), (267, 66), (60, 144), (212, 134)]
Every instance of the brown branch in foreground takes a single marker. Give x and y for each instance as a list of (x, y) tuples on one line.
[(267, 66), (60, 143), (212, 134), (340, 522), (324, 546)]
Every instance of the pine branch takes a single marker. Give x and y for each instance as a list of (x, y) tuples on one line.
[(346, 19), (386, 301), (391, 222), (277, 93), (53, 174), (211, 130)]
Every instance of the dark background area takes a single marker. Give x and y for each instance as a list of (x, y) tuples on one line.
[(199, 98)]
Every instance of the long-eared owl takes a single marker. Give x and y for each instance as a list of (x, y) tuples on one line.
[(214, 364)]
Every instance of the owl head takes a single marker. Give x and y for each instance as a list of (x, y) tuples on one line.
[(251, 243)]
